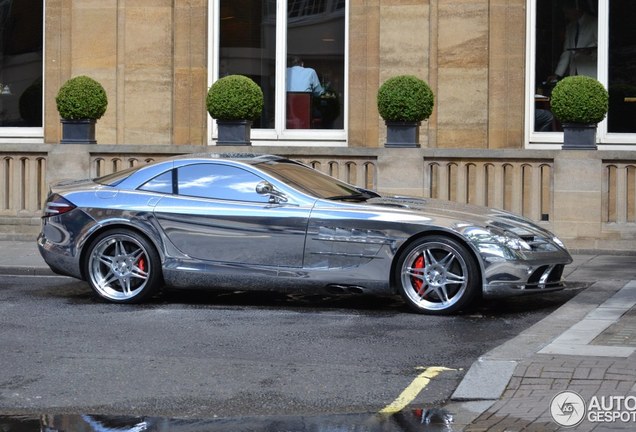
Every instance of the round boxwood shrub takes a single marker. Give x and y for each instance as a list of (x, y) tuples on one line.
[(235, 97), (405, 98), (81, 97), (579, 99)]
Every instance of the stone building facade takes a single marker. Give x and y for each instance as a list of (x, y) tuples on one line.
[(153, 56), (485, 60)]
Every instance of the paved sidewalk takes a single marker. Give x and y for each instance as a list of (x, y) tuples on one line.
[(20, 257), (587, 346)]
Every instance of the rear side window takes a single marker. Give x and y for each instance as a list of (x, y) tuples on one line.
[(161, 184)]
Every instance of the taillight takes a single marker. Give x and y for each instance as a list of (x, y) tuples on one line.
[(57, 205)]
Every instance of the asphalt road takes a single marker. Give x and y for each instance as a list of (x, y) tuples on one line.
[(203, 354)]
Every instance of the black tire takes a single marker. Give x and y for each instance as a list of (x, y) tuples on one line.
[(122, 266), (437, 275)]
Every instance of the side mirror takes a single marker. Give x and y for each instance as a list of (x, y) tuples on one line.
[(266, 188)]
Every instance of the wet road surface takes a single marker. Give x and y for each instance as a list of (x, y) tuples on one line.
[(409, 421), (235, 355)]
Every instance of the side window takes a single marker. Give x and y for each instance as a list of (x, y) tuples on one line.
[(160, 184), (218, 181)]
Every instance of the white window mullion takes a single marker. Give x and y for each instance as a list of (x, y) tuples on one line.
[(213, 64), (281, 65), (603, 59)]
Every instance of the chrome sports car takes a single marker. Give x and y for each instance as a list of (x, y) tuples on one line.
[(253, 222)]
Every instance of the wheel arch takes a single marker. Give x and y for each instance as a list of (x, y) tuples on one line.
[(439, 232), (90, 238)]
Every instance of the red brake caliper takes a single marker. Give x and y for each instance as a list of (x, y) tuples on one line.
[(418, 283), (142, 264)]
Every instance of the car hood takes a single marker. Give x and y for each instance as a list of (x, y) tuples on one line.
[(457, 213)]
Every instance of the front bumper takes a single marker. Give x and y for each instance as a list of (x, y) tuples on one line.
[(518, 278)]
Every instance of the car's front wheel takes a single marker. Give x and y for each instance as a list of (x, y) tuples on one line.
[(123, 267), (437, 275)]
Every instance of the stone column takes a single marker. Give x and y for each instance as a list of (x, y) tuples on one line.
[(406, 164), (578, 200), (68, 161)]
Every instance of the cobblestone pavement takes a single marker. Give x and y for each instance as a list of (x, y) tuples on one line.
[(622, 333), (525, 404), (595, 358)]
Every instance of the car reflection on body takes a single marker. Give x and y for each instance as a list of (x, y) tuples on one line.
[(262, 222)]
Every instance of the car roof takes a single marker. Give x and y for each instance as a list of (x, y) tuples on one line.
[(142, 172), (248, 158)]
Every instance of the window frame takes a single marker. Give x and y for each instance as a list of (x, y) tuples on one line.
[(554, 140), (279, 135)]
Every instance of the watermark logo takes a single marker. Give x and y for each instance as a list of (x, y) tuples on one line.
[(567, 408)]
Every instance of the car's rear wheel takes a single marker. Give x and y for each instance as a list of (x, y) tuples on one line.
[(437, 275), (123, 267)]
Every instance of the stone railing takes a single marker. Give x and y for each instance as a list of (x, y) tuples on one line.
[(619, 192), (23, 183), (520, 186), (23, 190), (587, 198)]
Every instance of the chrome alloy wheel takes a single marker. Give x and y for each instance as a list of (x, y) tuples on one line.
[(436, 276), (119, 267)]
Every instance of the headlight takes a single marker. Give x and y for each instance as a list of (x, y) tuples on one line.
[(513, 241), (492, 235), (558, 242)]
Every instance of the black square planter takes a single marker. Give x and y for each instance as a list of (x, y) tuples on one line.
[(234, 132), (402, 134), (80, 131), (577, 136)]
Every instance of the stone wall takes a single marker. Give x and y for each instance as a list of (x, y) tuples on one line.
[(151, 56)]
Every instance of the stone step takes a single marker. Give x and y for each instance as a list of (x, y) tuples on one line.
[(19, 228)]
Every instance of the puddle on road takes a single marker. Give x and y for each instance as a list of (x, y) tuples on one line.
[(438, 420)]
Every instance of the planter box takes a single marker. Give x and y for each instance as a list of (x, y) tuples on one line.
[(78, 131), (577, 136), (402, 134), (235, 132)]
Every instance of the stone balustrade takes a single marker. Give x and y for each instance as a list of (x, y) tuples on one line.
[(588, 198)]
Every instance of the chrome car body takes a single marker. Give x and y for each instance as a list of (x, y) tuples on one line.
[(267, 223)]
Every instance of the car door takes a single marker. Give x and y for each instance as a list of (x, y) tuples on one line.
[(215, 214)]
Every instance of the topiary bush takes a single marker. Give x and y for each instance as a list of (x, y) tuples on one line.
[(235, 97), (405, 98), (81, 97), (579, 99)]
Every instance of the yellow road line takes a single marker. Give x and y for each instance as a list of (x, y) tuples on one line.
[(413, 389)]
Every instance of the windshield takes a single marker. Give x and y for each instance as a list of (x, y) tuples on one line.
[(313, 182)]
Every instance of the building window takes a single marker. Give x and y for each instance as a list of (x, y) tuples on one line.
[(582, 37), (21, 40), (621, 67), (295, 50)]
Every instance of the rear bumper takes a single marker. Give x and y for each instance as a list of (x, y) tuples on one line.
[(61, 259)]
